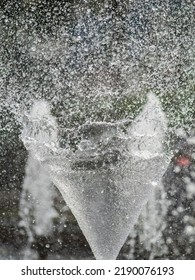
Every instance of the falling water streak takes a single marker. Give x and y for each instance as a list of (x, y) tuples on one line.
[(37, 203), (150, 226)]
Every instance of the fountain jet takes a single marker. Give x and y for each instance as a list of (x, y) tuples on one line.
[(110, 173)]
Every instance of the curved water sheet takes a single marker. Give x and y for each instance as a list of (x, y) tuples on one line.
[(107, 175)]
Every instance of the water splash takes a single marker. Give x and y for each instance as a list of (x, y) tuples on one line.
[(108, 176)]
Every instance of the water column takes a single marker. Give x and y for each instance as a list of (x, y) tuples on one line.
[(37, 210)]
